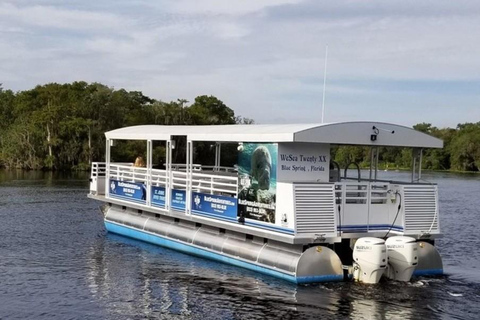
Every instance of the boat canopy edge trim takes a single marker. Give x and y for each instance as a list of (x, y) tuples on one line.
[(348, 133), (361, 133)]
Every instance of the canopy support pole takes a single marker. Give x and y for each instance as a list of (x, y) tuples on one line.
[(189, 172), (169, 174), (218, 151), (371, 164), (420, 165), (107, 167), (149, 173)]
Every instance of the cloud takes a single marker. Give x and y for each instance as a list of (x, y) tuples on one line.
[(393, 61), (374, 9), (225, 7), (45, 16)]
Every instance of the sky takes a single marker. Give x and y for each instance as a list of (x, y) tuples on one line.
[(404, 62)]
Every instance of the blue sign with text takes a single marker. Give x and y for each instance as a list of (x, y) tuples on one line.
[(214, 205), (130, 191), (179, 199), (158, 196)]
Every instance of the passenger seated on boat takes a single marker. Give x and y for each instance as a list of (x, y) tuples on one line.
[(139, 162)]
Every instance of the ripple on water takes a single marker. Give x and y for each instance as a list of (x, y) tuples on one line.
[(57, 262)]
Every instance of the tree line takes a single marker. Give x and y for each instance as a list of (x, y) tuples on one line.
[(61, 126), (461, 151)]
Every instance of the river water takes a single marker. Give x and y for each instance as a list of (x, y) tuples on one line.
[(57, 262)]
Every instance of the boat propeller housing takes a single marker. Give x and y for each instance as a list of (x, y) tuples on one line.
[(369, 259), (402, 257)]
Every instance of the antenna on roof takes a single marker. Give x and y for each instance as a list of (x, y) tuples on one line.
[(324, 83)]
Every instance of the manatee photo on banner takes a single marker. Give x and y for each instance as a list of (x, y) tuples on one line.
[(257, 169)]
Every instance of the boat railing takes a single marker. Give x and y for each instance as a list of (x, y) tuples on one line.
[(161, 188), (97, 178), (215, 184), (220, 169), (98, 169), (179, 180), (396, 207), (363, 206), (361, 192), (200, 167), (183, 167), (128, 173), (343, 179), (159, 177)]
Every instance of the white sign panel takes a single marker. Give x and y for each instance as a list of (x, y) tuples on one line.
[(303, 162)]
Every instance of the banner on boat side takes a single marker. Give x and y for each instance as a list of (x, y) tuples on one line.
[(214, 205), (179, 199), (305, 162), (130, 191), (257, 169), (158, 197)]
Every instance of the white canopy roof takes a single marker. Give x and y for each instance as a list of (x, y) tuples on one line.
[(348, 133)]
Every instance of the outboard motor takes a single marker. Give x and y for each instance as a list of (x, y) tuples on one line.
[(402, 257), (369, 259)]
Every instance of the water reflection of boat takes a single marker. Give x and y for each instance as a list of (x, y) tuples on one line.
[(290, 213), (135, 280)]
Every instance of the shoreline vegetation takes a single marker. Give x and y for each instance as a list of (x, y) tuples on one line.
[(61, 127), (405, 169)]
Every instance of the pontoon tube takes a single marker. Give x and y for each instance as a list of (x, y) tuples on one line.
[(289, 262)]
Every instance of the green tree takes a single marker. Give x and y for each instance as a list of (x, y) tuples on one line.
[(208, 110), (465, 147)]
